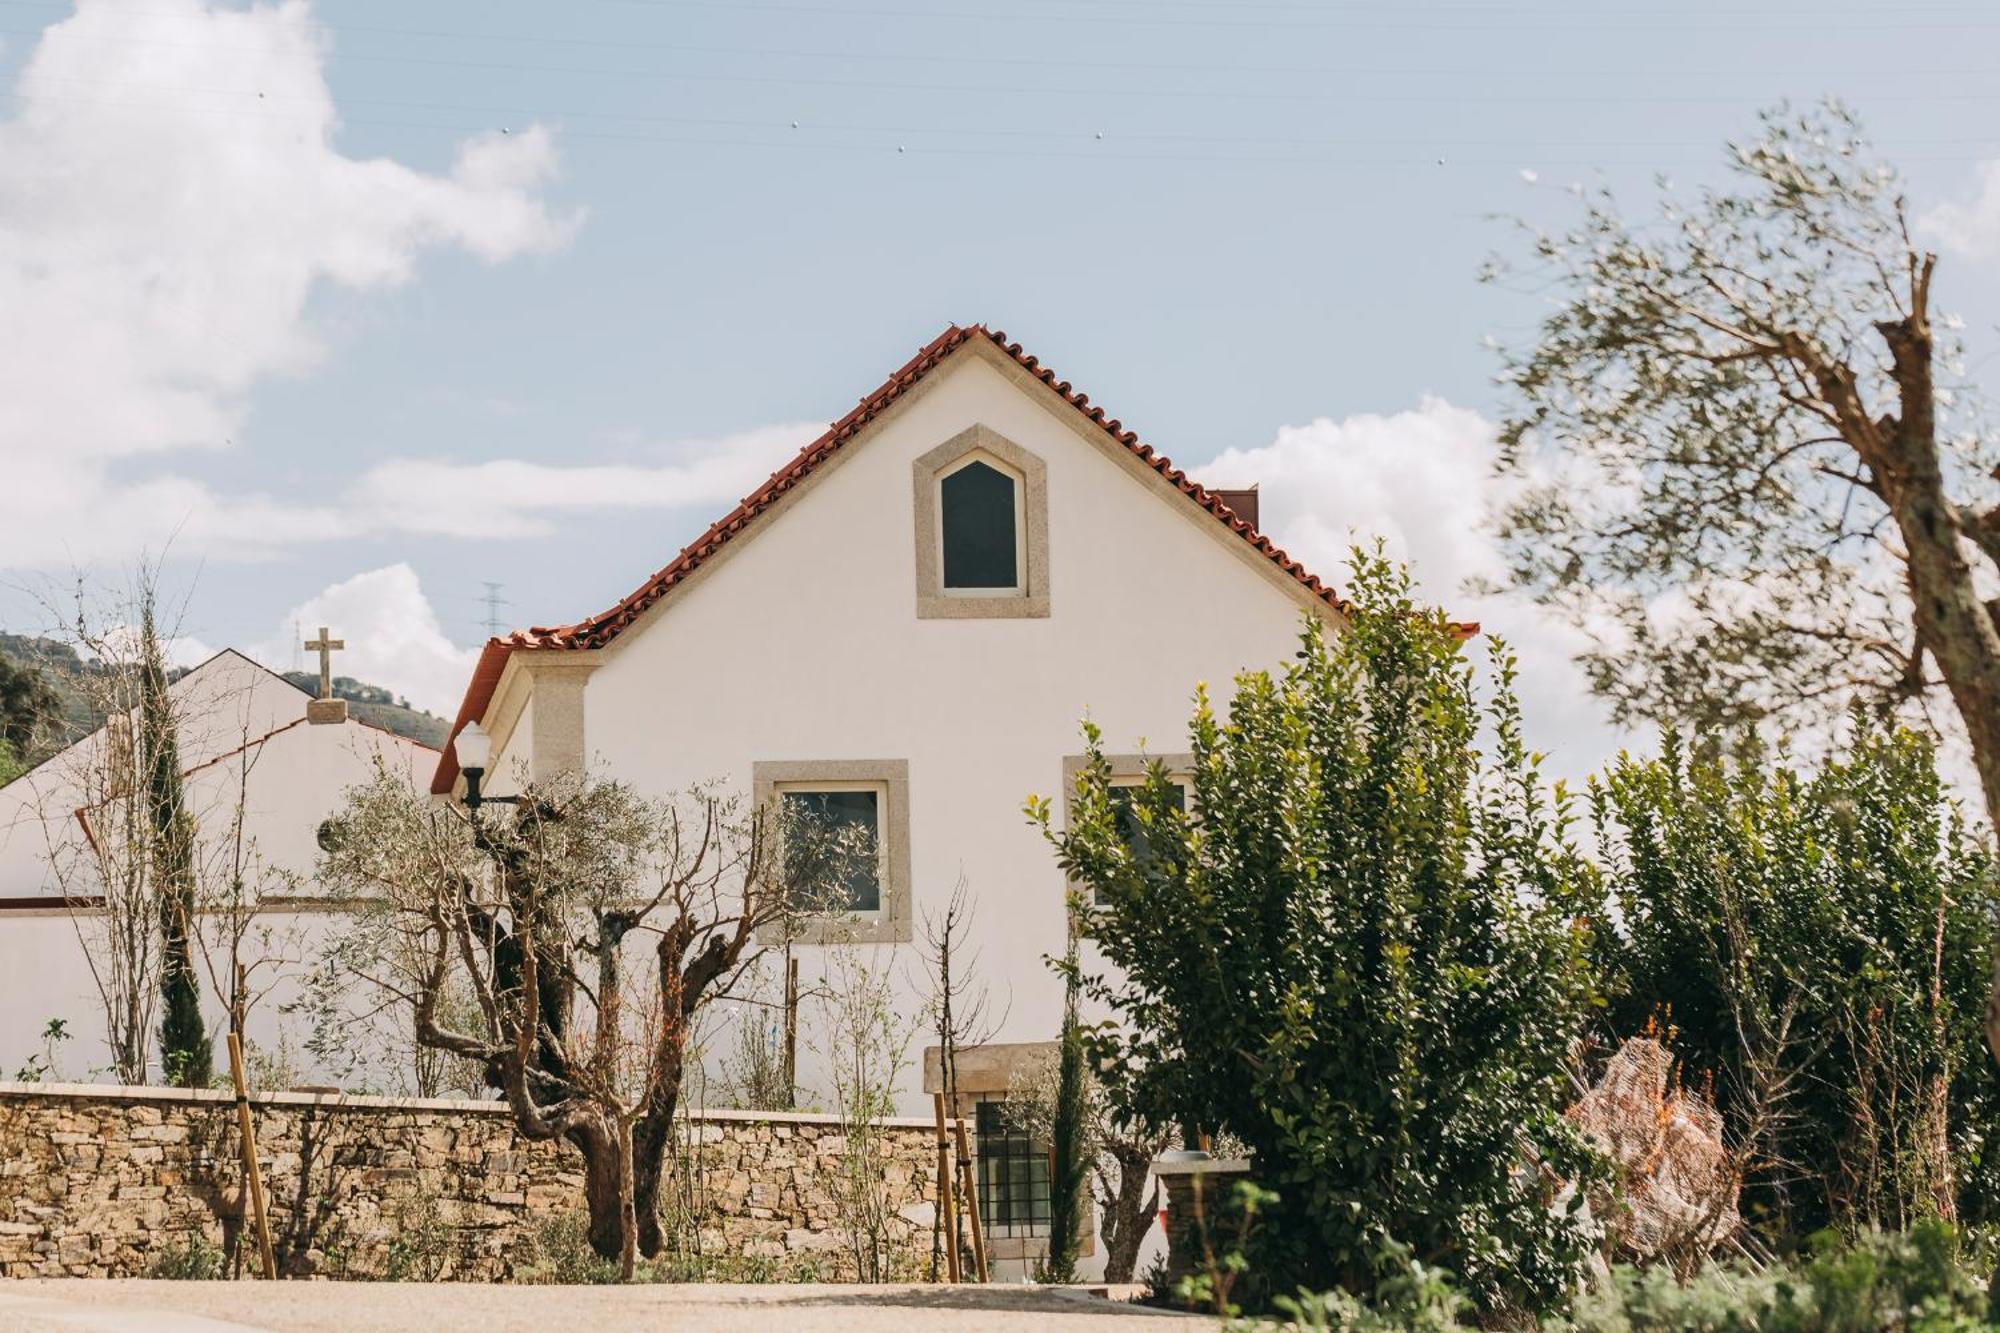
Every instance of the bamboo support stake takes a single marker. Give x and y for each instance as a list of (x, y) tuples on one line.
[(252, 1174), (970, 1189), (947, 1205)]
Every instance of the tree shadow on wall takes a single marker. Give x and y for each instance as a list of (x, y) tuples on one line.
[(311, 1214)]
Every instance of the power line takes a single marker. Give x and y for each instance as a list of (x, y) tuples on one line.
[(961, 89), (1097, 149), (1072, 134), (1677, 20), (1056, 62)]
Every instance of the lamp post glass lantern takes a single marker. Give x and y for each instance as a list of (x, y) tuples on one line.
[(473, 749)]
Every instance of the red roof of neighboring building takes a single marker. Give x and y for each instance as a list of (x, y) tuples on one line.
[(602, 628)]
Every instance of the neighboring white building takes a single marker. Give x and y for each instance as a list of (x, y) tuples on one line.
[(245, 741), (906, 625)]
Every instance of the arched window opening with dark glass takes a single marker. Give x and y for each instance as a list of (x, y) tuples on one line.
[(978, 512)]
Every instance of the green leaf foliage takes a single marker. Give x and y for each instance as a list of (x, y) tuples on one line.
[(1691, 429), (1820, 945), (1355, 950), (1911, 1282)]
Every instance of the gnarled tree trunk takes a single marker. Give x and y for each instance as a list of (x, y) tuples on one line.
[(1128, 1212)]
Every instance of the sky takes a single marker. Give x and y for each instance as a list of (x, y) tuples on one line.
[(352, 309)]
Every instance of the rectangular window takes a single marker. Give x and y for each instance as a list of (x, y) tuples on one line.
[(860, 807), (844, 823), (1013, 1172)]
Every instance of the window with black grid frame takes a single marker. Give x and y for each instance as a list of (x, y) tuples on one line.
[(1013, 1172)]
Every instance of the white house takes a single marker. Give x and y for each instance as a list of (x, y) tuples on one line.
[(245, 741), (904, 626)]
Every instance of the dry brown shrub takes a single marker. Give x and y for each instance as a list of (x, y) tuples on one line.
[(1674, 1198)]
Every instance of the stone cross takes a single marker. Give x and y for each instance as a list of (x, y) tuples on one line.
[(327, 709), (325, 647)]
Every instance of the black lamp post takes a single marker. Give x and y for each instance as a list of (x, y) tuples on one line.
[(473, 749)]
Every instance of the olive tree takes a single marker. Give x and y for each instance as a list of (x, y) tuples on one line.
[(591, 926), (1354, 951), (1750, 461)]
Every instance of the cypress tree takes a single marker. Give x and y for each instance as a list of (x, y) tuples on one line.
[(185, 1054), (1067, 1132)]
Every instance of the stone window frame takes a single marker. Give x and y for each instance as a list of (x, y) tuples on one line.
[(890, 923), (1030, 601), (1127, 770)]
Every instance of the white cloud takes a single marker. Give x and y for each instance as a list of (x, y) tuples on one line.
[(172, 196), (393, 636), (1972, 228), (1423, 481), (179, 650), (509, 495)]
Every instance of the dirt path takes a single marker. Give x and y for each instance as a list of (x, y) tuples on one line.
[(381, 1307)]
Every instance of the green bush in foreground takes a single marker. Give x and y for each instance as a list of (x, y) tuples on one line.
[(1351, 945), (1821, 940), (1905, 1282), (192, 1260)]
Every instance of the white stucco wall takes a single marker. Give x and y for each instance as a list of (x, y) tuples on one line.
[(803, 643), (514, 759)]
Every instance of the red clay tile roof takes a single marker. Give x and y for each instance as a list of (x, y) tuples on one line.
[(606, 626)]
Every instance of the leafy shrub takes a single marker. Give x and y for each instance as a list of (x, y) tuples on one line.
[(1822, 943), (1906, 1282), (422, 1247), (1351, 945), (559, 1252), (193, 1259), (41, 1066), (1903, 1282), (1409, 1297)]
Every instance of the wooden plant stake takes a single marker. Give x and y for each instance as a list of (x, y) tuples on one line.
[(791, 1031), (946, 1203), (251, 1173), (970, 1189)]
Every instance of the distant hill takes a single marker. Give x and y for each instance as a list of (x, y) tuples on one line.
[(61, 668), (378, 707), (64, 671)]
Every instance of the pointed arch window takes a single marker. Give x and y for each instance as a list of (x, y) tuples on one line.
[(980, 521), (982, 533)]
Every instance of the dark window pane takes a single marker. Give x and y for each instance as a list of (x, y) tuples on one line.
[(848, 821), (977, 506), (1013, 1173)]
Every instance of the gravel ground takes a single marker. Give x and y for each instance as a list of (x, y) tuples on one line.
[(82, 1306)]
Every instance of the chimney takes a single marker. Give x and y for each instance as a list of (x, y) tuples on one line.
[(1244, 502)]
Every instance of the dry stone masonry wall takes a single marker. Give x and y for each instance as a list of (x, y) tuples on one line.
[(114, 1182)]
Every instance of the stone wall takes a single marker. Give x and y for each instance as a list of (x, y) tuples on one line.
[(110, 1182)]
